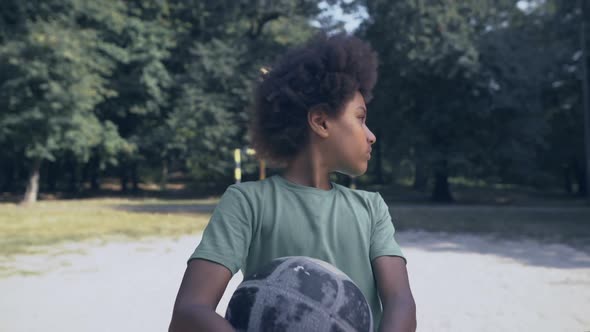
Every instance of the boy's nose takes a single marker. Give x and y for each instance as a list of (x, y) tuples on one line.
[(371, 137)]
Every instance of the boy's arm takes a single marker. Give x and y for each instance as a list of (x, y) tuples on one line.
[(399, 308), (201, 289)]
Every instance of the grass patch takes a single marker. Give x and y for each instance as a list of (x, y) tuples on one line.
[(51, 222)]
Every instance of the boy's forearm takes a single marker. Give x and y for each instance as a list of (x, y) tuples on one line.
[(198, 318), (399, 315)]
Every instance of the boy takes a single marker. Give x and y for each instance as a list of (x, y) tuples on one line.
[(309, 116)]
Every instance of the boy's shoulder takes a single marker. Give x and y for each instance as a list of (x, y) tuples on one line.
[(356, 192), (248, 191), (250, 187), (372, 200)]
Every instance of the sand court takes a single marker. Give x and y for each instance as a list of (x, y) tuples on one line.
[(460, 283)]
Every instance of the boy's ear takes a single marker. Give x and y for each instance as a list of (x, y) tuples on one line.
[(317, 120)]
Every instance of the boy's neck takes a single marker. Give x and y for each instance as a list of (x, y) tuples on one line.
[(308, 169)]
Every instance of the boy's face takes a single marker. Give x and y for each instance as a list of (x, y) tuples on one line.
[(349, 142)]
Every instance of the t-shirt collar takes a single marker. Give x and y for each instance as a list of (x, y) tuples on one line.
[(301, 188)]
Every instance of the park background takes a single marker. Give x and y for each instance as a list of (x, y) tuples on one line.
[(119, 121)]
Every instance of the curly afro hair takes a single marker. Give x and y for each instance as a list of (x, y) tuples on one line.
[(326, 72)]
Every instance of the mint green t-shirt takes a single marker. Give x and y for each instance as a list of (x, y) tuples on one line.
[(256, 222)]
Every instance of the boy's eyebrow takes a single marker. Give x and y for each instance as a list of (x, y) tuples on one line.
[(362, 108)]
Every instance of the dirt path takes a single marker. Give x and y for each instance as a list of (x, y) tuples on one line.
[(460, 283)]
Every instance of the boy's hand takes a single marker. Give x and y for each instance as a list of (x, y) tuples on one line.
[(399, 308), (201, 289)]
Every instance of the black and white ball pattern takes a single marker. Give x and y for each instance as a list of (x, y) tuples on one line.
[(296, 294)]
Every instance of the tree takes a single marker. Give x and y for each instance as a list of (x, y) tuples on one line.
[(445, 85), (221, 48), (141, 82), (52, 78), (563, 96), (430, 64), (97, 88)]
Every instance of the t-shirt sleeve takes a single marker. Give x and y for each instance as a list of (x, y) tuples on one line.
[(226, 238), (383, 241)]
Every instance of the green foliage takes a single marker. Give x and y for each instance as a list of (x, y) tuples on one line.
[(117, 83), (562, 95), (49, 87), (478, 89), (215, 64), (463, 85), (431, 79)]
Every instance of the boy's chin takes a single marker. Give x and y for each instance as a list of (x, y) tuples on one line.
[(354, 172)]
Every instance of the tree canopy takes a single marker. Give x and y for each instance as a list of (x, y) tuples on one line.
[(481, 89)]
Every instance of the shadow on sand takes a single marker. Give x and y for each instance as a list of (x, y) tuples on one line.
[(527, 251)]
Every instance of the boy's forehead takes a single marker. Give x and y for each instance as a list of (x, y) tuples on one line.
[(358, 101), (354, 105)]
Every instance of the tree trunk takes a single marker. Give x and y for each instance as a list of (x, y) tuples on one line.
[(164, 174), (134, 177), (85, 175), (94, 170), (420, 177), (441, 192), (580, 174), (74, 177), (3, 174), (420, 174), (567, 180), (123, 176), (32, 184)]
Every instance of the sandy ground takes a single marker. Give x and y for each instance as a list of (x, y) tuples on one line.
[(460, 283)]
